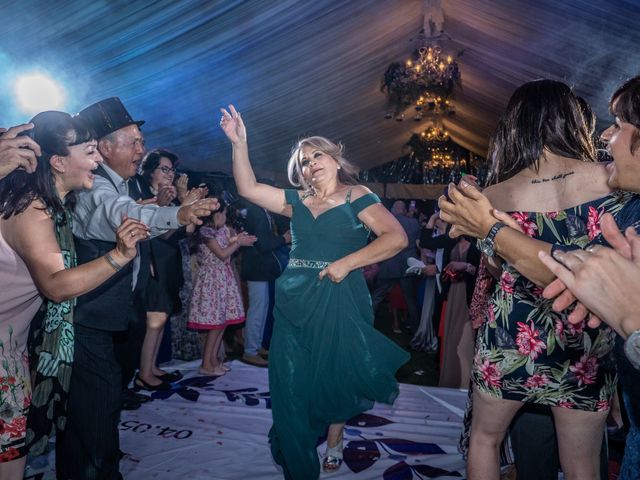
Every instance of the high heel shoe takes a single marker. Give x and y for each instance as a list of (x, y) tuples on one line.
[(140, 384), (332, 459)]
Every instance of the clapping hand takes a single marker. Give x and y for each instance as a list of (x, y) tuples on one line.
[(233, 126), (467, 210), (604, 281), (17, 151), (244, 239), (564, 297), (182, 186), (192, 213), (128, 234), (166, 195), (194, 195)]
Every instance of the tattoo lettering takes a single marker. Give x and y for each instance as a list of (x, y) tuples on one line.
[(560, 176)]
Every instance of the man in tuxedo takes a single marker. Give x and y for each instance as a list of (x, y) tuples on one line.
[(89, 447)]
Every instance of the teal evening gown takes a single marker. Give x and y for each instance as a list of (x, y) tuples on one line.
[(327, 363)]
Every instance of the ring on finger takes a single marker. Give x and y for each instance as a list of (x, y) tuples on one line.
[(592, 248), (133, 233)]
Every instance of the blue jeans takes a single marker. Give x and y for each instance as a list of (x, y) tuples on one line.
[(256, 316)]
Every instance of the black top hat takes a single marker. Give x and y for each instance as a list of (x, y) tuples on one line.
[(107, 116)]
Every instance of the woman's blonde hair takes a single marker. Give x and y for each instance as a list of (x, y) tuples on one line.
[(347, 173)]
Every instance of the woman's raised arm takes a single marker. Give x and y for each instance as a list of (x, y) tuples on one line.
[(266, 196)]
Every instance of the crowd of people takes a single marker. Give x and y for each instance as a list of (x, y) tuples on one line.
[(102, 242)]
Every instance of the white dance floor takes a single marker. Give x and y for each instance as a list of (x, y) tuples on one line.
[(216, 429)]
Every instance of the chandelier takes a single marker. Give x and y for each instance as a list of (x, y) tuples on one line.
[(435, 134), (435, 148), (427, 80)]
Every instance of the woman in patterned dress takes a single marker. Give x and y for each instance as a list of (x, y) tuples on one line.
[(37, 258), (525, 352)]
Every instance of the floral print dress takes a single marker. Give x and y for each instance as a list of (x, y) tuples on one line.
[(216, 301), (19, 302), (527, 352)]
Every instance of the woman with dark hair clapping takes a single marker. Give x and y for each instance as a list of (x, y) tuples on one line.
[(37, 257)]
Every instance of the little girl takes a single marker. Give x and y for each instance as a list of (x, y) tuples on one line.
[(215, 300)]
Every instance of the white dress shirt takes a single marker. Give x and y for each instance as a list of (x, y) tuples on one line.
[(98, 212)]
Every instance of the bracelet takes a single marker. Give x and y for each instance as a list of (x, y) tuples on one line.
[(112, 262)]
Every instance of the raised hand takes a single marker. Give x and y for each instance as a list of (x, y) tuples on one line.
[(233, 126), (17, 151), (128, 234), (194, 195), (467, 209), (246, 240), (166, 195), (182, 187), (188, 214)]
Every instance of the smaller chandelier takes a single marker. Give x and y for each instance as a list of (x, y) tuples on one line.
[(435, 134), (428, 80)]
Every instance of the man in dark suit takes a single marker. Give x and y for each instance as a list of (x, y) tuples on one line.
[(392, 270), (259, 267)]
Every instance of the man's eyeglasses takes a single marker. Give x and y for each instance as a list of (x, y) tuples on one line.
[(167, 170)]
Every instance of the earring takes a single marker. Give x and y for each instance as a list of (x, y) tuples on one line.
[(339, 167)]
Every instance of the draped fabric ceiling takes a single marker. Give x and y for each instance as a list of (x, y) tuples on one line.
[(301, 67)]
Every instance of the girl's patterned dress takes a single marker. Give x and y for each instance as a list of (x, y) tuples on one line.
[(215, 300)]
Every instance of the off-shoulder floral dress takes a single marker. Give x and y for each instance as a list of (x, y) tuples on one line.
[(527, 352)]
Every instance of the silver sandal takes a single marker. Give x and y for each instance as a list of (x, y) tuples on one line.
[(332, 459)]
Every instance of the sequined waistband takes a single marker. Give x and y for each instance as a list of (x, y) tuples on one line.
[(304, 263)]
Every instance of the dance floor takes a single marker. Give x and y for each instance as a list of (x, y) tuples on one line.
[(216, 429)]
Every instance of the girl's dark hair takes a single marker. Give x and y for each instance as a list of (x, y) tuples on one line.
[(151, 161), (55, 132), (543, 114), (625, 104)]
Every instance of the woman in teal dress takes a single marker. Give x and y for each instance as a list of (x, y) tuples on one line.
[(327, 363)]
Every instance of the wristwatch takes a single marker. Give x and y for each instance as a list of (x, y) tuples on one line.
[(632, 348), (487, 245)]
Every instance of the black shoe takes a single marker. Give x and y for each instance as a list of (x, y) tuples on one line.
[(170, 377), (130, 403), (139, 384), (136, 397)]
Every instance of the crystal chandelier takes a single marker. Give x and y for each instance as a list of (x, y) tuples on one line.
[(435, 134), (426, 80), (429, 77)]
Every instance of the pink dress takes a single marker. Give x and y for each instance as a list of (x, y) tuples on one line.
[(19, 302), (215, 300)]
